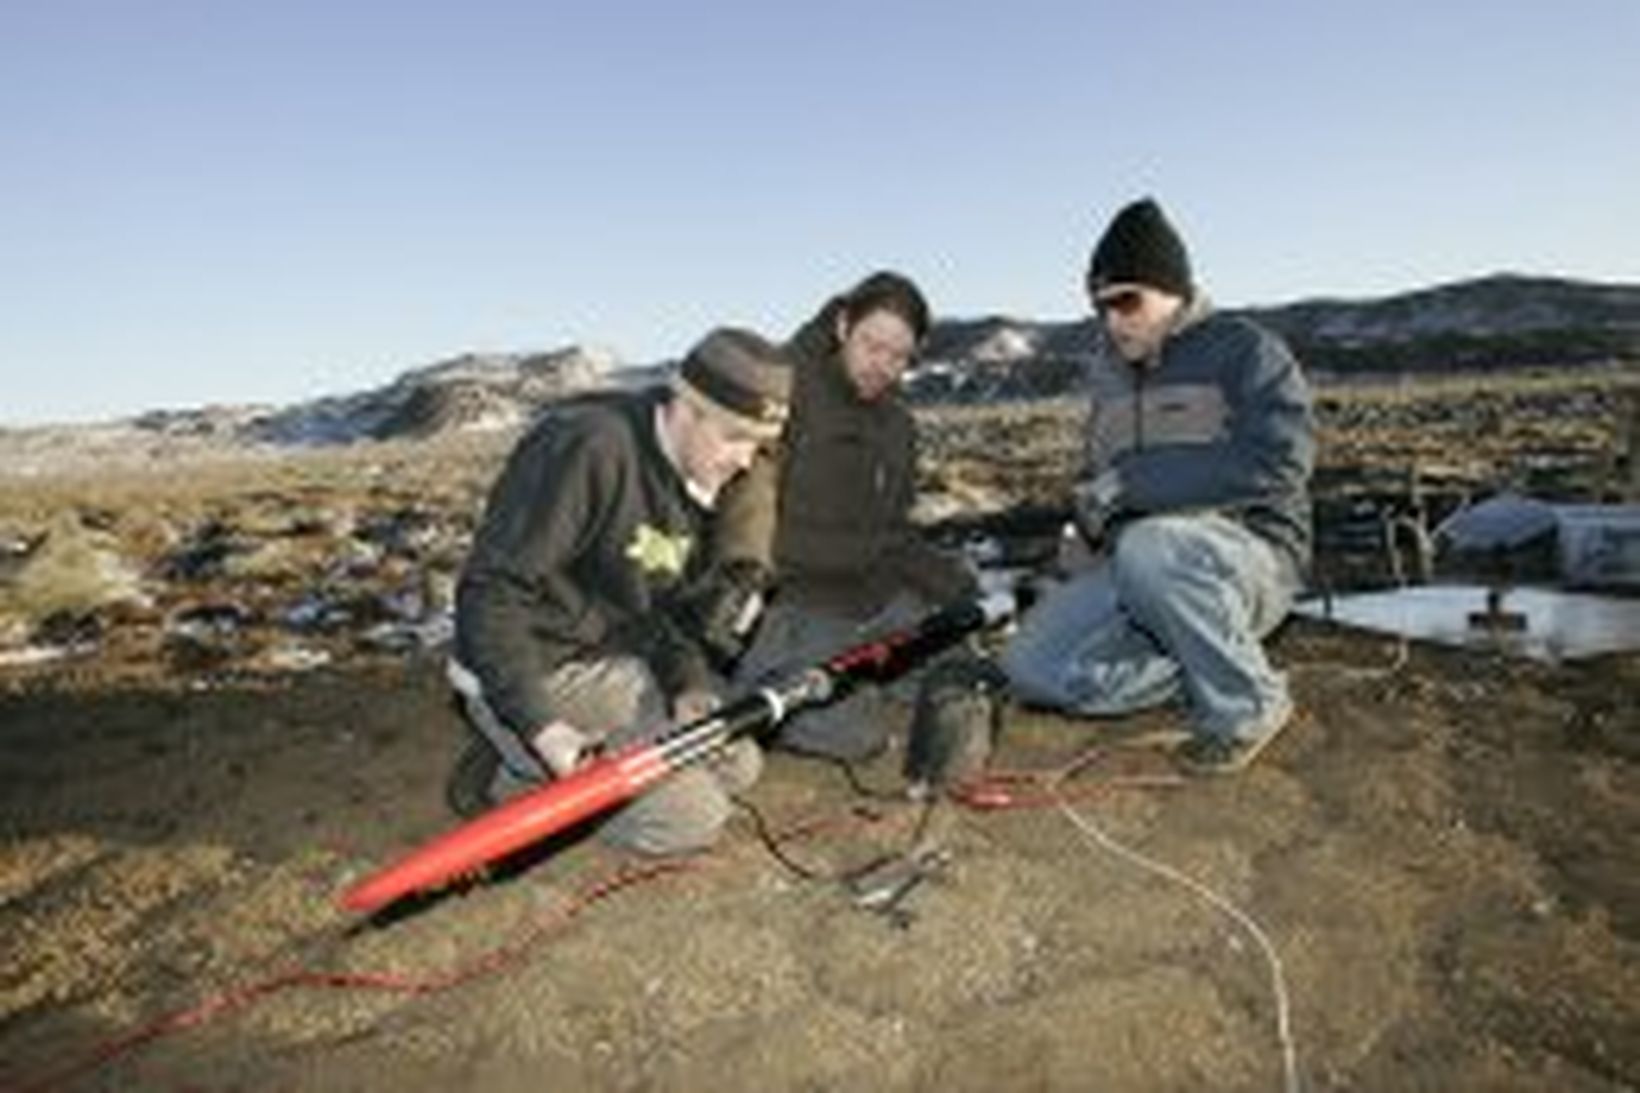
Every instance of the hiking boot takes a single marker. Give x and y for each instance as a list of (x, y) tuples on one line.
[(467, 790), (1231, 754)]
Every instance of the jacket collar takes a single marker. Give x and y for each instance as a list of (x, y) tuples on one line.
[(1195, 310), (663, 441)]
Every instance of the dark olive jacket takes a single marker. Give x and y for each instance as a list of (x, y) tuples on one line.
[(829, 508)]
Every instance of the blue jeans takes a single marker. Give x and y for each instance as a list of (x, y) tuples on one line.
[(1177, 611)]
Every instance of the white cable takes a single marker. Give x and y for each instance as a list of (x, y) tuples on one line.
[(1090, 830)]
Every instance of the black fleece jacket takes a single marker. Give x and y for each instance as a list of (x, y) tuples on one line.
[(589, 543)]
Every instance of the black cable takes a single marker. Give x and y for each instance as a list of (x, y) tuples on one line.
[(766, 837), (858, 785), (839, 876)]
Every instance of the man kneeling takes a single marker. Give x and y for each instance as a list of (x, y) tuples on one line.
[(587, 609), (1200, 449)]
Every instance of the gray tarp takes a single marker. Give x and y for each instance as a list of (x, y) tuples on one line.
[(1598, 545)]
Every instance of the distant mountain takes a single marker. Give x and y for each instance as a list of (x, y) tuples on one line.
[(1501, 321), (470, 392), (978, 360), (1502, 305)]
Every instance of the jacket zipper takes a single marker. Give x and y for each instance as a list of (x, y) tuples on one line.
[(1139, 406)]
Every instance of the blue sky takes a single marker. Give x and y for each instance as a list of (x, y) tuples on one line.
[(262, 202)]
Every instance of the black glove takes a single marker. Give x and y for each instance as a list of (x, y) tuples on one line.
[(721, 608), (938, 576), (675, 656), (1093, 502)]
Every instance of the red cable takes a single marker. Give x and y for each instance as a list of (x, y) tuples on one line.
[(996, 790), (1000, 790), (600, 888), (623, 877)]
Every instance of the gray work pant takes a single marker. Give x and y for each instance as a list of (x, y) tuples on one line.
[(792, 637), (616, 701)]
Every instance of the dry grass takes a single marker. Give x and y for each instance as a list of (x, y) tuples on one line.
[(1481, 428), (1414, 388), (74, 569), (1563, 434), (453, 469)]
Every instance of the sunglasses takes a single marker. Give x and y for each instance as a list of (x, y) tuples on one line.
[(1121, 302)]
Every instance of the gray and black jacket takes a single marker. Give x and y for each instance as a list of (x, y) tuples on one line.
[(587, 548), (1220, 422)]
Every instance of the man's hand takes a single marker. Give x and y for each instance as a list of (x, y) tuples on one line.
[(562, 746), (721, 610), (1093, 502), (1074, 554), (692, 705)]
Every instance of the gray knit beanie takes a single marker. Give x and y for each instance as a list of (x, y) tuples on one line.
[(740, 374)]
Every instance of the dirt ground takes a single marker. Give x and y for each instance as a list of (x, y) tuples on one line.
[(1443, 856)]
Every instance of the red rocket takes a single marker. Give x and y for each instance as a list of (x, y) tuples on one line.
[(614, 779)]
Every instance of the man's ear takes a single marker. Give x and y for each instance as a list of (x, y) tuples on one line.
[(841, 328)]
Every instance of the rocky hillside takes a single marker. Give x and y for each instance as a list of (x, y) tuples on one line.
[(470, 392)]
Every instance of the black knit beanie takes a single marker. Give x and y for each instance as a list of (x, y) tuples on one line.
[(1141, 247)]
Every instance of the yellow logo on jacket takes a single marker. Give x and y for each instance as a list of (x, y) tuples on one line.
[(656, 552)]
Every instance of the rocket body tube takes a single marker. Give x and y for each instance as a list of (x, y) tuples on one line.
[(612, 780), (536, 814)]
